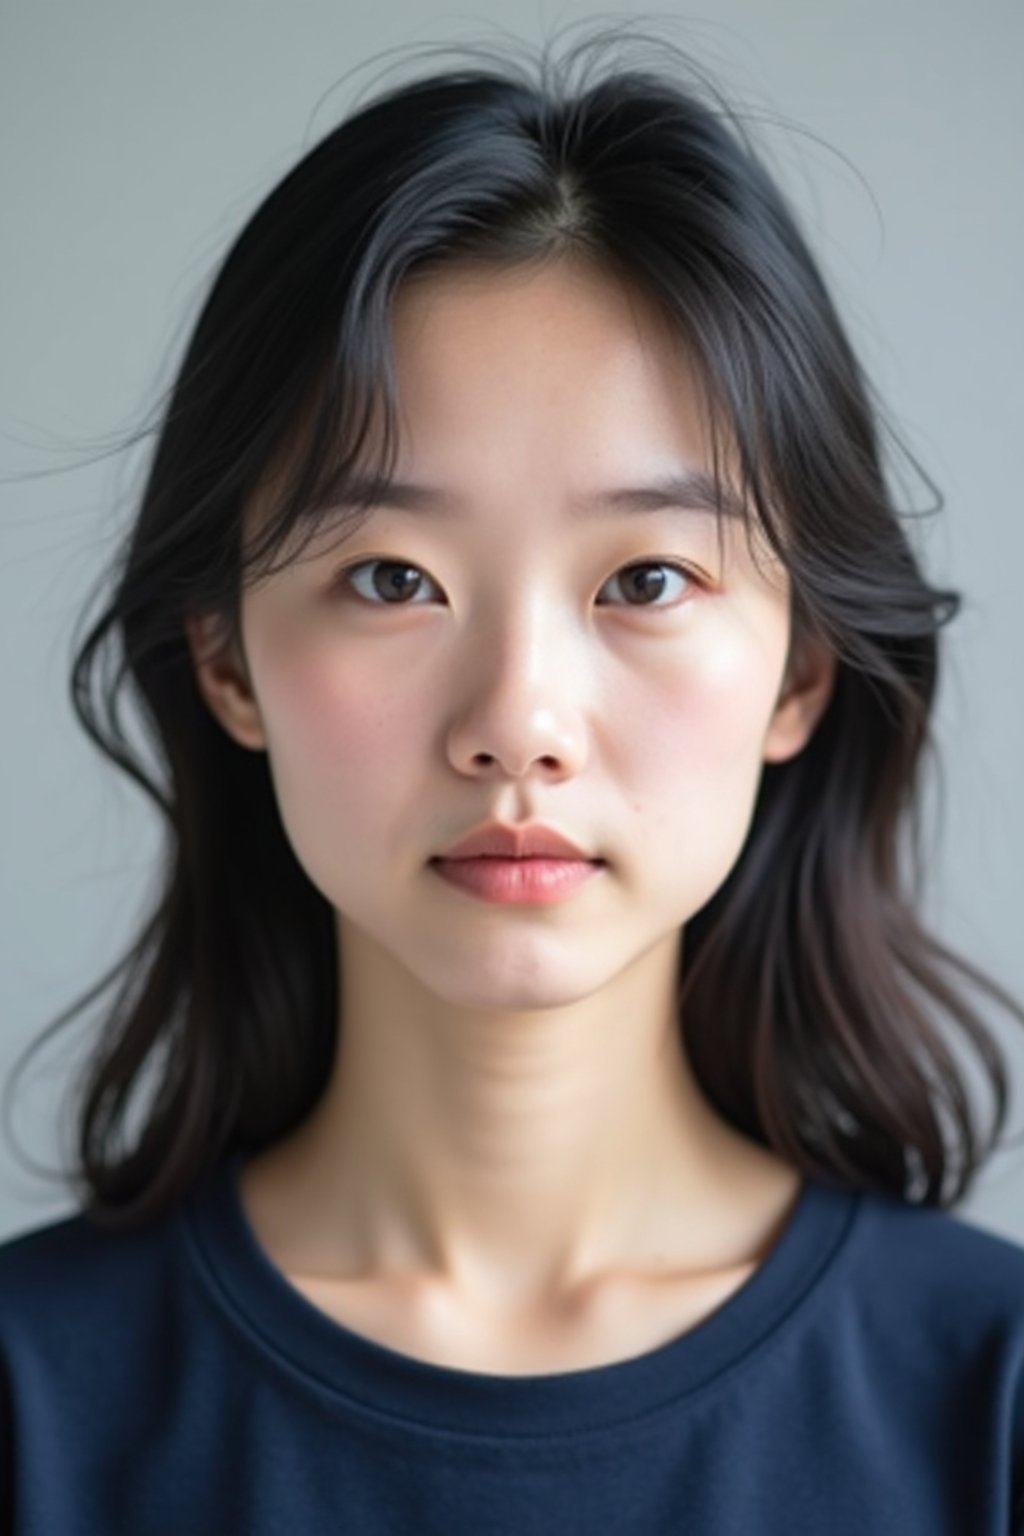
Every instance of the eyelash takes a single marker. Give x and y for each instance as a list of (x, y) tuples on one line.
[(343, 581)]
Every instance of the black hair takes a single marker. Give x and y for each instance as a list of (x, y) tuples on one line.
[(813, 997)]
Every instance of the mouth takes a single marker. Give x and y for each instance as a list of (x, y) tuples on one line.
[(502, 840), (511, 858), (534, 880)]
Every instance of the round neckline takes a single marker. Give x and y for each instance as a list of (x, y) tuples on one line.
[(263, 1301)]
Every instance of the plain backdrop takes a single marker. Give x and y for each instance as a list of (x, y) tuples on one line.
[(135, 141)]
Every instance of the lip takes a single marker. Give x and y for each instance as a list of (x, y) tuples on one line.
[(533, 841), (533, 882)]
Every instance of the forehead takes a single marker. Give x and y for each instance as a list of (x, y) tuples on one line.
[(560, 387), (564, 339)]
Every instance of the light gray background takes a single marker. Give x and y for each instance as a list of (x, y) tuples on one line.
[(137, 138)]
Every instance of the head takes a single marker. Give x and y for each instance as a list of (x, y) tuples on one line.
[(621, 672), (523, 291)]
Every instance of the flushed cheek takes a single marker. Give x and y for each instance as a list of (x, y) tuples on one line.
[(693, 746), (342, 747)]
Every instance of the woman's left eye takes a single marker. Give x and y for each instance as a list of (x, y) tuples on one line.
[(644, 585), (637, 579)]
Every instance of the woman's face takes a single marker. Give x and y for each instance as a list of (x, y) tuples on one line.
[(507, 664)]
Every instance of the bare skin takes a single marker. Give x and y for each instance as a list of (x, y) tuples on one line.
[(512, 1168), (613, 1316)]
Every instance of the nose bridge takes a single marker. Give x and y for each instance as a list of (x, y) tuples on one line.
[(525, 626), (520, 690)]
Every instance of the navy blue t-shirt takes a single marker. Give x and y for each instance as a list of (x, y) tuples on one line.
[(866, 1380)]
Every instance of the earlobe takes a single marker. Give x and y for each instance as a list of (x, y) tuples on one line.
[(223, 680), (804, 697)]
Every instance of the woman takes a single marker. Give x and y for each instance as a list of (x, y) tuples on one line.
[(545, 1130)]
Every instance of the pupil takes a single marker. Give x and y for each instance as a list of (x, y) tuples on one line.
[(645, 574), (400, 577)]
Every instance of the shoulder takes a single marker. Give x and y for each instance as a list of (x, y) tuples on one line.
[(942, 1253), (68, 1285), (24, 1253), (45, 1258), (928, 1291), (36, 1264)]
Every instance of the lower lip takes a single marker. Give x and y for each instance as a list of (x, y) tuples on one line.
[(537, 881)]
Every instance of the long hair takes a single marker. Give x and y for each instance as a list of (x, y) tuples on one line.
[(813, 999)]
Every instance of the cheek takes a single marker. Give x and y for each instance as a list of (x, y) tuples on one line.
[(694, 765), (337, 736), (696, 730)]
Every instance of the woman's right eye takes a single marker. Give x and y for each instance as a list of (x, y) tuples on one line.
[(395, 584)]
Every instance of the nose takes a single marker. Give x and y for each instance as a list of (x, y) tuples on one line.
[(520, 700)]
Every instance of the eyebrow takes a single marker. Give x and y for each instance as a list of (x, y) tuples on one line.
[(693, 492)]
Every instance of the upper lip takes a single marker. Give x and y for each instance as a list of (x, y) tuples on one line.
[(530, 841)]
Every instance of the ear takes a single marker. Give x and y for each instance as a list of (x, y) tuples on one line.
[(223, 679), (805, 692)]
